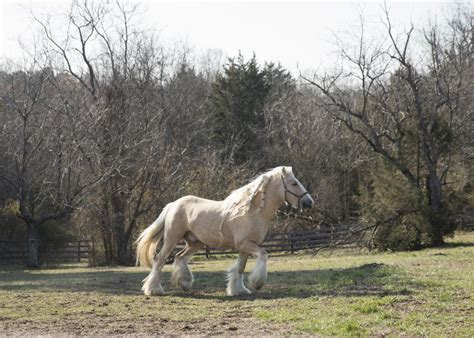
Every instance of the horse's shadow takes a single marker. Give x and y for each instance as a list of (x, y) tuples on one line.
[(367, 279), (363, 280)]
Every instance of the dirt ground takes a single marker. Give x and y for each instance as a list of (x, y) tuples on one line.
[(232, 324)]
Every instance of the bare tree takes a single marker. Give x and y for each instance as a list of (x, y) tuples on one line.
[(124, 72), (301, 133), (43, 164), (381, 94)]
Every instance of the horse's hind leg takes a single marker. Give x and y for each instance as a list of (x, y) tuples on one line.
[(235, 277), (152, 283), (182, 276)]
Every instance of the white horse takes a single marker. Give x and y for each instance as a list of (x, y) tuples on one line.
[(239, 222)]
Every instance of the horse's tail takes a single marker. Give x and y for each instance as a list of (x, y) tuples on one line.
[(149, 239)]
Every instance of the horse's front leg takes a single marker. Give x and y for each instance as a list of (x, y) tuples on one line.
[(258, 276), (235, 277)]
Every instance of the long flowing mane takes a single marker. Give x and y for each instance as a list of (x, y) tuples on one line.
[(239, 202)]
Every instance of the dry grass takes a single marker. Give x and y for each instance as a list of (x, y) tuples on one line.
[(428, 292)]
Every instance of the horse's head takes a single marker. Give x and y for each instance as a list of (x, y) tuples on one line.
[(292, 191)]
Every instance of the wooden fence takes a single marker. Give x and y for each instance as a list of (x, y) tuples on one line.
[(300, 240), (52, 251), (287, 242)]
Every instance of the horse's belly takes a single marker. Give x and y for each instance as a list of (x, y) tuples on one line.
[(206, 225)]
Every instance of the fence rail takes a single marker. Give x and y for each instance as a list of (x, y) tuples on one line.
[(296, 241), (286, 242), (52, 251)]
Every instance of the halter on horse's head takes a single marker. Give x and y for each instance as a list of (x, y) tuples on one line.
[(303, 198)]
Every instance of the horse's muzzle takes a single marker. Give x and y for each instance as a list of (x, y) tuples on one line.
[(307, 202)]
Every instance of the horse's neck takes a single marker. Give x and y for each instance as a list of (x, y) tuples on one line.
[(272, 200)]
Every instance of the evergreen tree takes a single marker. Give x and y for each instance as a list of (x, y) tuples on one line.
[(236, 106)]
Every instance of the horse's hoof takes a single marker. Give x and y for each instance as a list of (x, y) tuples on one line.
[(238, 292), (234, 293), (256, 284), (245, 291), (154, 291), (185, 284)]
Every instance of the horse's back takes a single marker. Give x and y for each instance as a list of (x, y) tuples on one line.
[(193, 208), (191, 203), (194, 199)]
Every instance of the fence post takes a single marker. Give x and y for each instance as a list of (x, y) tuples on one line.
[(292, 248), (78, 251), (91, 257), (207, 251)]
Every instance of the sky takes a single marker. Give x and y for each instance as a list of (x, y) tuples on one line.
[(299, 35)]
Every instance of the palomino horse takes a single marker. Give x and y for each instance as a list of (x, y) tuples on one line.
[(239, 222)]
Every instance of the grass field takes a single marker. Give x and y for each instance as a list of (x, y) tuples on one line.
[(428, 292)]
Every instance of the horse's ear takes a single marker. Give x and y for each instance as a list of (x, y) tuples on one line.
[(286, 170)]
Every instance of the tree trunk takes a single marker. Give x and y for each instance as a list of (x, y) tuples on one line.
[(434, 191), (435, 199), (121, 242), (125, 255), (106, 232), (33, 246), (106, 239)]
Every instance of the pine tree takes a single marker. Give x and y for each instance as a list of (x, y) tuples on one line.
[(236, 108)]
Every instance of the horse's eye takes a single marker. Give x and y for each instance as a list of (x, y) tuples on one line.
[(294, 183)]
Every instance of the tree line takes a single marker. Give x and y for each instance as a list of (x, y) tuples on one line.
[(104, 125)]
